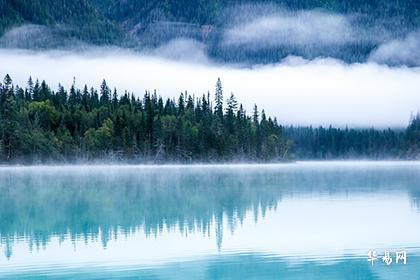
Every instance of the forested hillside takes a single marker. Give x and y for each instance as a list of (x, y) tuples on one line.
[(359, 30), (77, 19), (406, 12), (354, 29)]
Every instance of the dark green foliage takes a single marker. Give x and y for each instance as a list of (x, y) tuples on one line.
[(150, 23), (195, 11), (8, 119), (336, 143), (218, 109), (208, 12), (413, 135), (77, 19), (40, 125), (155, 22)]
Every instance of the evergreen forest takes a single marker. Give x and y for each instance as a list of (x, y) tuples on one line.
[(41, 125)]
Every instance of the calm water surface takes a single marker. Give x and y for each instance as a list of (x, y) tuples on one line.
[(288, 221)]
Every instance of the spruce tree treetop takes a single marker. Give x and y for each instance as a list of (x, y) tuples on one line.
[(218, 98)]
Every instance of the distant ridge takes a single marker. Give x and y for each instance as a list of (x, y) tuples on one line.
[(355, 28)]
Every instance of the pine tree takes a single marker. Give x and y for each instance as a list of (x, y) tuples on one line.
[(44, 91), (105, 93), (86, 98), (30, 89), (256, 114), (36, 90), (115, 99), (232, 104), (73, 95), (219, 99), (8, 122), (61, 95), (53, 127)]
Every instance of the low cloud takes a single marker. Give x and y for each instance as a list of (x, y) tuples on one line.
[(301, 28), (183, 50), (296, 91), (404, 51), (32, 36), (269, 30), (251, 34), (26, 36), (320, 91)]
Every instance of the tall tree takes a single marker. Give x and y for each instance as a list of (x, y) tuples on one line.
[(105, 93), (218, 98), (8, 120)]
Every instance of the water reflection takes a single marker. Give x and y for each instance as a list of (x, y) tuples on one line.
[(238, 266), (153, 215)]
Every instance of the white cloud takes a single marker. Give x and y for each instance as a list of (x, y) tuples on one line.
[(38, 36), (292, 28), (25, 35), (323, 91), (404, 51), (182, 49)]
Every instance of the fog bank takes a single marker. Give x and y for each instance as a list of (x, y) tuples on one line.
[(296, 91), (284, 28)]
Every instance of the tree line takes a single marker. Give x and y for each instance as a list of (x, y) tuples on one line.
[(41, 125), (349, 143)]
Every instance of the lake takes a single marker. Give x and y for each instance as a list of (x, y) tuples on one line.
[(304, 220)]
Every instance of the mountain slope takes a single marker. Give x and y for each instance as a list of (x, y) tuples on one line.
[(238, 31), (209, 12), (241, 31), (78, 19)]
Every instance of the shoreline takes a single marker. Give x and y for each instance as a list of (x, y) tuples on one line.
[(302, 163)]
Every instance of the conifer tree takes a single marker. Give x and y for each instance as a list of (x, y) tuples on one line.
[(218, 98), (8, 120), (51, 126), (104, 93)]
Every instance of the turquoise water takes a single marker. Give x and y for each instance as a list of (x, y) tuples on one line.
[(288, 221)]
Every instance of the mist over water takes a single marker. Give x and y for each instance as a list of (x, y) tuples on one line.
[(63, 221)]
